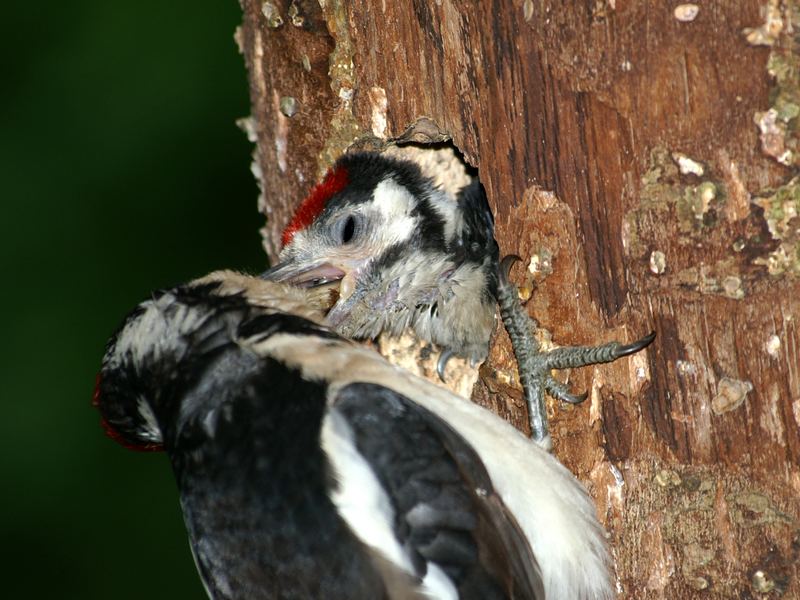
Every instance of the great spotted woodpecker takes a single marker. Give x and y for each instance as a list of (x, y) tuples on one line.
[(401, 252), (309, 467)]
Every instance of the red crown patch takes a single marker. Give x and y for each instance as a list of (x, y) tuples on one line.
[(310, 208)]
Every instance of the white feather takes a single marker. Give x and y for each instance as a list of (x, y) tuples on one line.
[(359, 497), (552, 507), (151, 430), (394, 203), (362, 502)]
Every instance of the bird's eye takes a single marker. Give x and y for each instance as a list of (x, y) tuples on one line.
[(348, 229)]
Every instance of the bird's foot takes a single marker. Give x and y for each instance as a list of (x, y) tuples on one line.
[(535, 365)]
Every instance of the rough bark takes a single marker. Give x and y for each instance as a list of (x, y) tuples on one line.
[(641, 163)]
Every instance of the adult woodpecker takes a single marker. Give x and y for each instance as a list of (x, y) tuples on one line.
[(309, 467), (401, 252)]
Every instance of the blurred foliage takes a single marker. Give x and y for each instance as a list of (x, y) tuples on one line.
[(121, 171)]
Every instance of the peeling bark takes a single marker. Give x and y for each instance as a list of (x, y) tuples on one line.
[(641, 161)]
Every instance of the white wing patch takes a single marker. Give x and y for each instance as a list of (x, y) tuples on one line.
[(365, 506)]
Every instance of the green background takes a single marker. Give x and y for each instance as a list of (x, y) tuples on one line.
[(122, 171)]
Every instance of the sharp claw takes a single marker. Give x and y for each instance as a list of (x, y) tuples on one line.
[(572, 399), (579, 398), (442, 363), (505, 266), (559, 391), (635, 346)]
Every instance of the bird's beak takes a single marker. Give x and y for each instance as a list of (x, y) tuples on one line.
[(325, 274), (304, 276)]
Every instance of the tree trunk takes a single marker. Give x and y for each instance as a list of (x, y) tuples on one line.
[(639, 157)]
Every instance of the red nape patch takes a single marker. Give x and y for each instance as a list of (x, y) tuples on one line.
[(111, 432), (309, 209), (117, 437)]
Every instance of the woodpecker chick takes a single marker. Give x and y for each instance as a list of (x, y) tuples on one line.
[(308, 467), (404, 253), (398, 252)]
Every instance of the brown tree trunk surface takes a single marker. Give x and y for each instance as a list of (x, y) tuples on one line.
[(639, 156)]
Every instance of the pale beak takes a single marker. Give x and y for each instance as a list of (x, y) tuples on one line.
[(304, 276), (322, 274)]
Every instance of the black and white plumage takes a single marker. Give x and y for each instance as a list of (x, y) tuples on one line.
[(402, 252), (308, 467)]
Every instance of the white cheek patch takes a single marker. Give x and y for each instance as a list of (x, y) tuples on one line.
[(447, 208), (394, 204)]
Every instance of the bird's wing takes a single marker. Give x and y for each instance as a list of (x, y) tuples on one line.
[(431, 503)]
